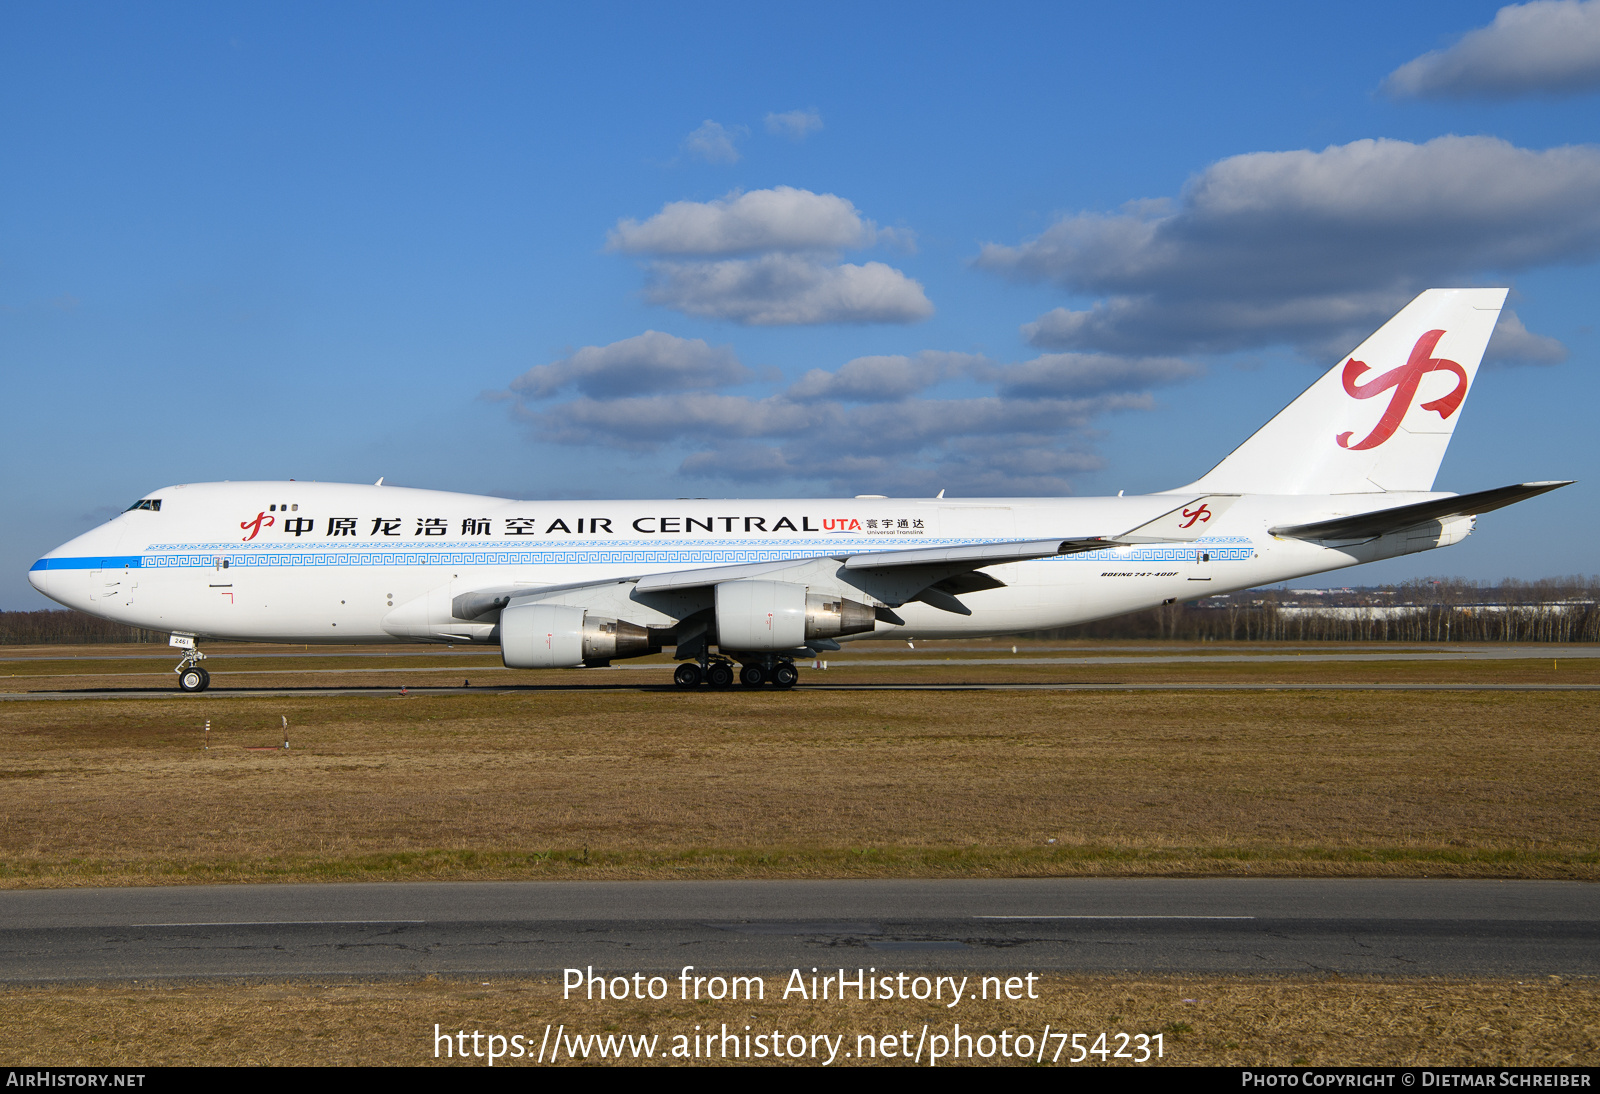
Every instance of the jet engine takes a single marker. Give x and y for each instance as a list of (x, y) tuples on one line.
[(831, 616), (555, 636), (775, 615)]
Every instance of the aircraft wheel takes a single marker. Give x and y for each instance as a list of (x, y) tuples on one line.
[(785, 675), (720, 675), (688, 676), (194, 680), (752, 675)]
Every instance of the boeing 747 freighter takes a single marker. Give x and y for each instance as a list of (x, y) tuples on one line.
[(740, 589)]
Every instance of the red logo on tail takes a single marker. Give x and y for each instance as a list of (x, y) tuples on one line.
[(254, 526), (1405, 381)]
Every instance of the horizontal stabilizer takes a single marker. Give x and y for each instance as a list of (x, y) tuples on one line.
[(1382, 521)]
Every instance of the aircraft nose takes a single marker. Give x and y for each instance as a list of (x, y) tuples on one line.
[(39, 577)]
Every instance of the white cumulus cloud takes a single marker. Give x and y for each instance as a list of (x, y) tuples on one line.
[(1549, 47), (984, 446), (714, 142), (1514, 344), (1057, 375), (795, 124), (873, 425), (788, 290), (1308, 248), (780, 219), (883, 378), (771, 258), (647, 362)]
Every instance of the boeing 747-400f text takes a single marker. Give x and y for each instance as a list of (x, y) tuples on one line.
[(1344, 475)]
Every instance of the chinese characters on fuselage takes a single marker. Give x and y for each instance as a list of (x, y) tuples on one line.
[(395, 527)]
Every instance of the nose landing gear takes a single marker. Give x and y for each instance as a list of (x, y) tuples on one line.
[(191, 677)]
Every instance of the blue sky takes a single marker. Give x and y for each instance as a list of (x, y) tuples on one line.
[(882, 249)]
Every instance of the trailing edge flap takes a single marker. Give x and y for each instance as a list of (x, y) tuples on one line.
[(1371, 525)]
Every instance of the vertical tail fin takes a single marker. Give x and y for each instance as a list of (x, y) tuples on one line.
[(1381, 418)]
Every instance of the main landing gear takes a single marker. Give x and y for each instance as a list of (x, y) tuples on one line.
[(191, 677), (718, 672)]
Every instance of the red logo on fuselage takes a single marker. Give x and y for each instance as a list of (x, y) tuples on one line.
[(1201, 514), (254, 526), (1405, 380)]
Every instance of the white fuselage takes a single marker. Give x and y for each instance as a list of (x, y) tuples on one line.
[(334, 563)]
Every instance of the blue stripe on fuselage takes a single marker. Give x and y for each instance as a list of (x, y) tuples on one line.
[(124, 562), (1221, 549)]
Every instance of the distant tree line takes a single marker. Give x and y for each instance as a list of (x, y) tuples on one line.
[(54, 627), (1426, 610)]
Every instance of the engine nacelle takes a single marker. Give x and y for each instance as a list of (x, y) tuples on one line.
[(774, 615), (761, 615), (555, 636)]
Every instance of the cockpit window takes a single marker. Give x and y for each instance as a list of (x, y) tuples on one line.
[(152, 504)]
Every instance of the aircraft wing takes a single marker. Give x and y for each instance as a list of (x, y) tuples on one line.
[(933, 575), (1184, 524), (1382, 521), (971, 556)]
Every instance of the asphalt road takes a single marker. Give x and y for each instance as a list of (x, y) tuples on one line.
[(1353, 927)]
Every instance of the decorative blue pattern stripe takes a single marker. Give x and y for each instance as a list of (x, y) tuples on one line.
[(1167, 552)]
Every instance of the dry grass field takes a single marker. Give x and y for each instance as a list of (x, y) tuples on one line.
[(1201, 1021), (602, 774), (617, 782)]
